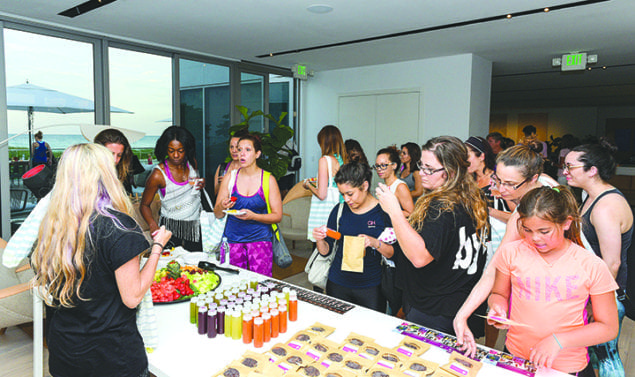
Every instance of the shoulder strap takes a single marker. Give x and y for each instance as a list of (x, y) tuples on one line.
[(265, 190), (612, 191), (339, 214)]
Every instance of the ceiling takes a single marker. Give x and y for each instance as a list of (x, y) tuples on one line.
[(521, 48)]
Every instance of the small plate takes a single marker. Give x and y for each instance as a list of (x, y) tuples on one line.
[(234, 212)]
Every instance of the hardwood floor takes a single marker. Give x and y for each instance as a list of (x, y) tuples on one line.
[(16, 346)]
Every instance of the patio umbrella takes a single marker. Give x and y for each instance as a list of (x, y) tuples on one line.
[(31, 98), (89, 131)]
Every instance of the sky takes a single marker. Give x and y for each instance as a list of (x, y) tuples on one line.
[(139, 82)]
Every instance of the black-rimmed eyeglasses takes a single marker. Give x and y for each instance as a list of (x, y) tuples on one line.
[(497, 182), (427, 171)]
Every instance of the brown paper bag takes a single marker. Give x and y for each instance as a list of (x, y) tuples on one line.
[(353, 254)]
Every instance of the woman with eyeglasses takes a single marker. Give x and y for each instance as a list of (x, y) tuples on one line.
[(387, 164), (607, 224), (482, 164), (443, 240), (518, 171), (411, 154)]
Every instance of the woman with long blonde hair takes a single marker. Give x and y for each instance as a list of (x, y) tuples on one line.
[(443, 240), (86, 264)]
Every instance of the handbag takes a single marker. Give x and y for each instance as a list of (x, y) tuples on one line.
[(388, 280), (212, 237), (281, 255), (318, 265)]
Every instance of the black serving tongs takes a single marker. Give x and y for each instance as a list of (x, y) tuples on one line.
[(212, 267)]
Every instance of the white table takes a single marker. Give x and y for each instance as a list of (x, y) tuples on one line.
[(183, 352)]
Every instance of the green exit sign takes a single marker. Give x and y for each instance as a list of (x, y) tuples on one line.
[(574, 62), (300, 71)]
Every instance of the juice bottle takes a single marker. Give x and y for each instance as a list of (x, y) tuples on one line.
[(253, 282), (248, 328), (275, 323), (266, 318), (237, 324), (286, 291), (194, 310), (211, 323), (228, 323), (220, 320), (258, 332), (293, 306), (282, 309), (202, 320)]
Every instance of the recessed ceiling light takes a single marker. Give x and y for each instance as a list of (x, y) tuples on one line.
[(319, 8), (546, 10), (509, 16)]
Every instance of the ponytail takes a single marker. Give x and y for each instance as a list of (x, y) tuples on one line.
[(555, 205)]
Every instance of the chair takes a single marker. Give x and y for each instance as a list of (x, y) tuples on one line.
[(19, 199), (16, 302), (295, 217)]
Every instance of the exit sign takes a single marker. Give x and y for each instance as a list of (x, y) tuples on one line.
[(300, 71), (574, 62)]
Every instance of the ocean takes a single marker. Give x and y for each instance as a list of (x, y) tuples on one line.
[(61, 142)]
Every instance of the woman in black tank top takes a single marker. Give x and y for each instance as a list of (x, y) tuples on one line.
[(607, 224)]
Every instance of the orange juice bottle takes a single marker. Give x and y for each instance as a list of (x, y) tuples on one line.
[(293, 306), (258, 332)]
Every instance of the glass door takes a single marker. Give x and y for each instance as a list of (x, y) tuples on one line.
[(205, 109), (252, 96)]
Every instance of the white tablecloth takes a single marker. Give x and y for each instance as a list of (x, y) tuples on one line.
[(183, 352)]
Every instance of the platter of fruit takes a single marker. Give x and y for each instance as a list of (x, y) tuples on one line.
[(176, 283)]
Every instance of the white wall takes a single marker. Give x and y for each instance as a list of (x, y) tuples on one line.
[(451, 104)]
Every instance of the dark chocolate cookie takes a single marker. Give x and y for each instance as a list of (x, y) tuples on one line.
[(231, 372), (295, 360), (335, 357), (320, 348), (390, 357), (279, 351), (357, 342), (311, 371), (249, 362), (353, 365), (418, 367), (379, 373)]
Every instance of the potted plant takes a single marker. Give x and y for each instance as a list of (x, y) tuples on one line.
[(276, 155)]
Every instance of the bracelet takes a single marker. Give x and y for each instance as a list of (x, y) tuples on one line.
[(557, 341), (157, 243), (378, 247)]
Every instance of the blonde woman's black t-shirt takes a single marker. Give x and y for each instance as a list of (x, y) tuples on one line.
[(99, 336), (441, 287)]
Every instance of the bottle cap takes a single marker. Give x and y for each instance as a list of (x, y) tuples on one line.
[(266, 316), (274, 313), (202, 309), (211, 312), (258, 321), (246, 318)]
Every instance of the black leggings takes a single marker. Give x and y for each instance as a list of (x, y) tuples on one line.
[(370, 298)]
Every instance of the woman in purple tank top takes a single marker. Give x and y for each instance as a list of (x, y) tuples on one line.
[(249, 229)]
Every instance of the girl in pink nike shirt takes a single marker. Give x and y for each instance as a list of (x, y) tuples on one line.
[(544, 282)]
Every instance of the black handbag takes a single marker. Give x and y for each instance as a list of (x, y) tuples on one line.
[(388, 281)]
